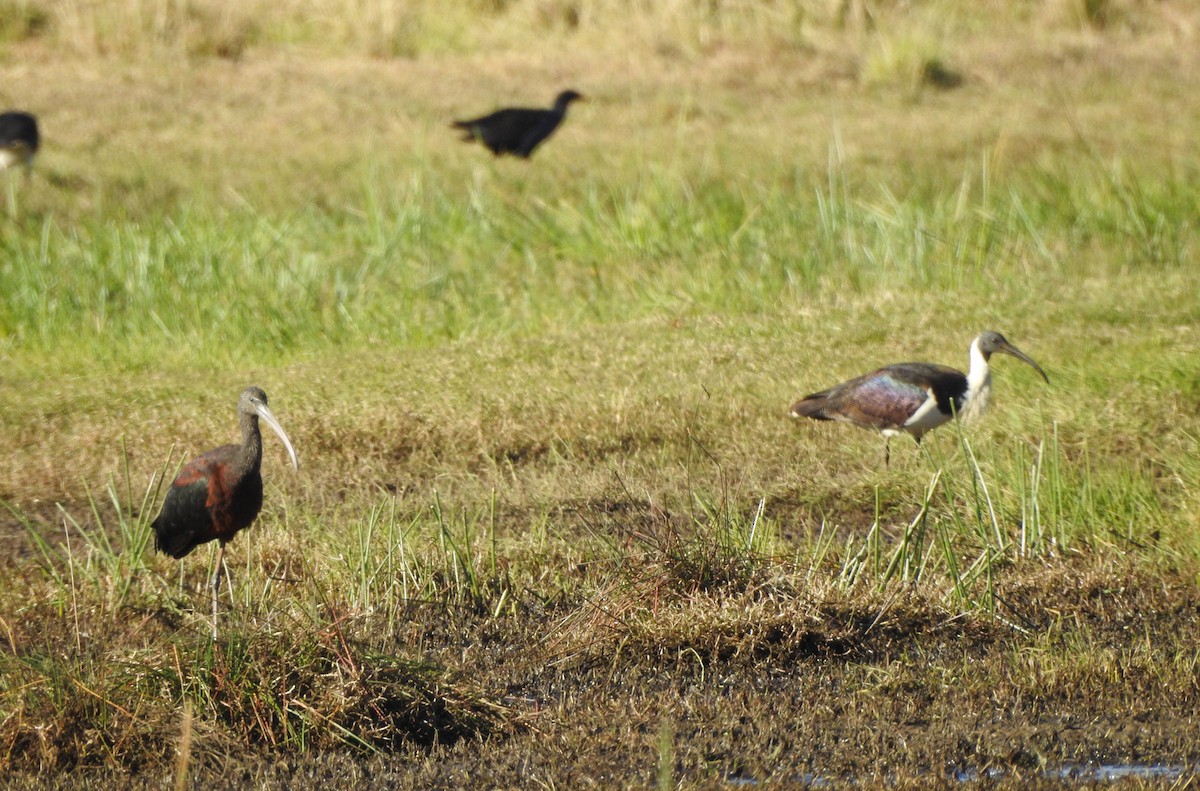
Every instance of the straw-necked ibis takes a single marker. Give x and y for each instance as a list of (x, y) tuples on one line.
[(517, 130), (219, 493), (912, 398), (19, 139)]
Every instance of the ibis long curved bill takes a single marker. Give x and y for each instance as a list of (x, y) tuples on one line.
[(265, 413), (1004, 347)]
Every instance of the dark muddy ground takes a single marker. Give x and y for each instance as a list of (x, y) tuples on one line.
[(1088, 663)]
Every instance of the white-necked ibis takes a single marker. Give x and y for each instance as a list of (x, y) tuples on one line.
[(19, 139), (517, 130), (912, 398), (219, 493)]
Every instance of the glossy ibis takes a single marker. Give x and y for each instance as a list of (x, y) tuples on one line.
[(220, 492), (912, 398), (517, 130), (19, 139)]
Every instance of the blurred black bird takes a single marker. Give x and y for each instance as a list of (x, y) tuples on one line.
[(19, 139), (517, 130)]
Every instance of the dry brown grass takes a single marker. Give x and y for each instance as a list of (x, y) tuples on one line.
[(233, 125)]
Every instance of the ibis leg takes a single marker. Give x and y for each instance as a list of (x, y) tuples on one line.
[(216, 585)]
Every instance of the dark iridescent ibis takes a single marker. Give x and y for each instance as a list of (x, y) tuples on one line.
[(517, 130), (219, 493), (19, 139), (913, 398)]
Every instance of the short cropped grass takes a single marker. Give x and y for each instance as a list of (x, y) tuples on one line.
[(551, 524)]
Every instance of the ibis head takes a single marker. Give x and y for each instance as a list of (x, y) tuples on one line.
[(252, 405), (991, 342)]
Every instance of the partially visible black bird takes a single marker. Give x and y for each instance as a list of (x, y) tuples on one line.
[(19, 139), (912, 398), (517, 130), (219, 493)]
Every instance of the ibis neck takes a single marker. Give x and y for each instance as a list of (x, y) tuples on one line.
[(251, 453), (979, 381)]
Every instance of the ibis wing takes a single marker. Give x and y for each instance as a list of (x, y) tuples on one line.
[(883, 399), (186, 519), (948, 385)]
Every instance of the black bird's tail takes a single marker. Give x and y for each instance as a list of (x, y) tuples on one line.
[(466, 127)]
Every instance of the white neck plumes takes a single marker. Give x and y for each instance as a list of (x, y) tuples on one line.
[(979, 383)]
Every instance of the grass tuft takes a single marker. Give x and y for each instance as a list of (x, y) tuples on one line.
[(317, 689)]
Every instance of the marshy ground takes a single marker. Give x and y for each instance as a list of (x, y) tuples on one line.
[(552, 526)]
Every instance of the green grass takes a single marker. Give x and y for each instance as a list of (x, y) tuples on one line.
[(424, 264), (550, 510)]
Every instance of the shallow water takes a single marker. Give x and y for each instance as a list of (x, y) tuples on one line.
[(1082, 773), (1112, 772)]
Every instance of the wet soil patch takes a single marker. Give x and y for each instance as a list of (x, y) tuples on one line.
[(760, 680)]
